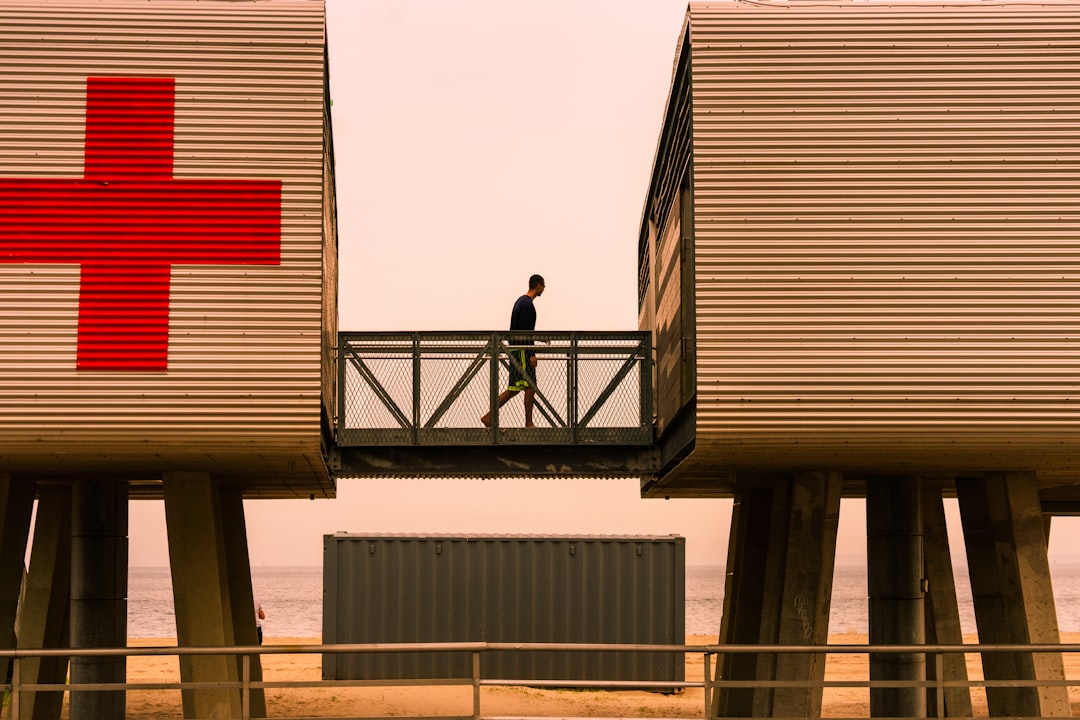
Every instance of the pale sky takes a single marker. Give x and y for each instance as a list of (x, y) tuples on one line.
[(477, 142)]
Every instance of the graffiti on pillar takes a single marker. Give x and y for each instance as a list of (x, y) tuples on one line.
[(802, 611)]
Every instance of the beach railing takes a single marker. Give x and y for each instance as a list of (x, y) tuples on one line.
[(431, 388), (935, 655)]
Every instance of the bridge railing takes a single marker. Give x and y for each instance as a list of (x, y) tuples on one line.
[(431, 388)]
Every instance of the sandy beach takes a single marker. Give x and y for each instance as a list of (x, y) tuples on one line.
[(413, 701)]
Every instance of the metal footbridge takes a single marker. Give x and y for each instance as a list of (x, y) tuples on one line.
[(410, 404)]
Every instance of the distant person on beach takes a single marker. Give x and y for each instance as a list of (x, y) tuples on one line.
[(522, 361), (260, 615)]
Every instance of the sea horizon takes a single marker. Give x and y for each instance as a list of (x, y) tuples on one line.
[(292, 598)]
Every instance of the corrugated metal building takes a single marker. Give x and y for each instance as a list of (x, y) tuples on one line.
[(860, 248), (454, 588), (167, 241)]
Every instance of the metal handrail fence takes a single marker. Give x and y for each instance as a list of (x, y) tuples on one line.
[(431, 388), (935, 653)]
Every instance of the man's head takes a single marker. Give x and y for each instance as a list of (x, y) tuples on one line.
[(536, 285)]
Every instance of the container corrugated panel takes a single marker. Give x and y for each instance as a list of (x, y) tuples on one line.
[(887, 240), (563, 589), (161, 275)]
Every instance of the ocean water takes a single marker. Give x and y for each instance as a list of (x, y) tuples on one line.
[(290, 596), (292, 599)]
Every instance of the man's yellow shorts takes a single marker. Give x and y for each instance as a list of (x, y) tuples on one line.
[(521, 371)]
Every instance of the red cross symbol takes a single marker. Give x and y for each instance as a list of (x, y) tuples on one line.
[(128, 221)]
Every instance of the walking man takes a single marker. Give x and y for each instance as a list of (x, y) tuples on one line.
[(522, 361)]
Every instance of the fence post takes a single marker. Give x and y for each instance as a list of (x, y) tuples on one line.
[(572, 388), (707, 677), (646, 383), (416, 389), (16, 680), (340, 410), (476, 684), (939, 677), (493, 406), (245, 699)]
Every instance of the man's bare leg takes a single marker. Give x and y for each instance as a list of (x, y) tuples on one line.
[(530, 395), (503, 398)]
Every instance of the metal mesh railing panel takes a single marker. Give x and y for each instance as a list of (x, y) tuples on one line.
[(363, 404), (448, 374), (433, 388), (610, 391)]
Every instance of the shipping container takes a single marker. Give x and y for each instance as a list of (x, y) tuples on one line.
[(860, 249), (455, 588)]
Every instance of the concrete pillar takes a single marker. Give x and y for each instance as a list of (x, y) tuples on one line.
[(810, 555), (744, 597), (99, 559), (201, 591), (942, 609), (239, 574), (16, 509), (1012, 591), (895, 576), (44, 617), (778, 591)]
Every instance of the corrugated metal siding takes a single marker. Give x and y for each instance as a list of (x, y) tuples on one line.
[(670, 331), (330, 264), (887, 237), (244, 340), (670, 168), (390, 589)]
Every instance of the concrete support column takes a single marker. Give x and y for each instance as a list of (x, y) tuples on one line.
[(16, 509), (810, 558), (99, 559), (240, 590), (203, 590), (745, 592), (778, 591), (942, 609), (1011, 589), (895, 576), (44, 617)]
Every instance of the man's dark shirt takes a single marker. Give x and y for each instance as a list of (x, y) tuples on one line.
[(524, 315)]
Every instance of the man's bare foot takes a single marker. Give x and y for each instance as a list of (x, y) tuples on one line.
[(486, 420), (529, 425)]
